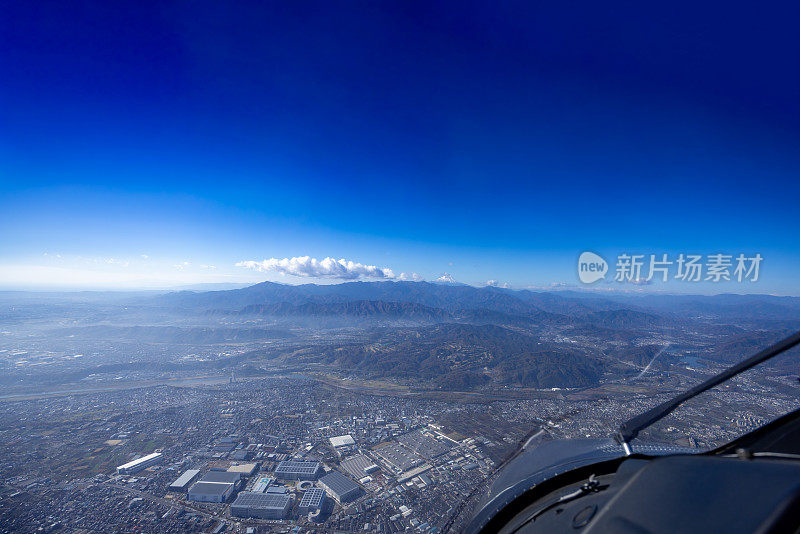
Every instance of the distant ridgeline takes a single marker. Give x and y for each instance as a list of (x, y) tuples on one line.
[(445, 336)]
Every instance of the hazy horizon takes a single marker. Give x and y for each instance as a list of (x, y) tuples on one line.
[(215, 286)]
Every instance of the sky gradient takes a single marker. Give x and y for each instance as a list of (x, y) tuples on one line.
[(155, 145)]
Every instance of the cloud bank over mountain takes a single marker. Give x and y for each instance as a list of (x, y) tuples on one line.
[(308, 267)]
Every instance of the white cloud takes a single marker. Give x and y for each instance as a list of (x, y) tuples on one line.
[(208, 267), (114, 261), (144, 256), (411, 277), (495, 283), (447, 278), (181, 266), (306, 266)]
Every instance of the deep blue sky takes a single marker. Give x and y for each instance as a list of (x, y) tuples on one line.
[(490, 142)]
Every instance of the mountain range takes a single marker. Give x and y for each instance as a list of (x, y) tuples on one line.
[(447, 336)]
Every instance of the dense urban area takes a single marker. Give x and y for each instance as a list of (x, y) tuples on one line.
[(365, 407)]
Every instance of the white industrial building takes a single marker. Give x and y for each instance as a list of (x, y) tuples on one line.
[(182, 483), (140, 463), (342, 441), (227, 477), (247, 470)]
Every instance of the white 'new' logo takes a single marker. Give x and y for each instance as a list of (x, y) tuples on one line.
[(591, 267)]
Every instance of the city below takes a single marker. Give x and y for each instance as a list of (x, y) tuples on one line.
[(365, 407)]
